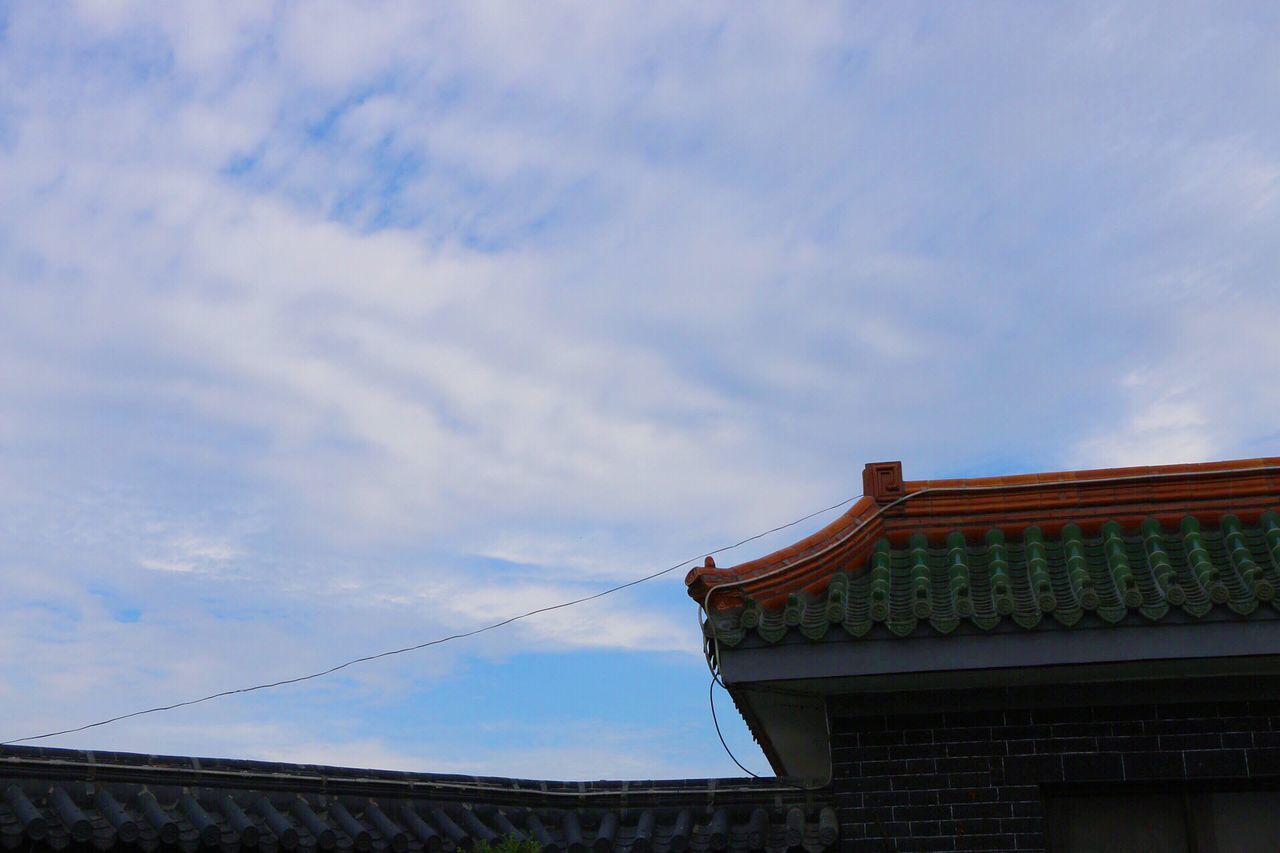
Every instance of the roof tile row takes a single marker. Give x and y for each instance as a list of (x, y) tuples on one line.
[(1150, 570), (53, 805)]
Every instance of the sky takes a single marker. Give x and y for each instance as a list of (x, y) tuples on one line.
[(332, 328)]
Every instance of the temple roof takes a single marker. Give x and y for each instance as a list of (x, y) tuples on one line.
[(58, 798), (1126, 545)]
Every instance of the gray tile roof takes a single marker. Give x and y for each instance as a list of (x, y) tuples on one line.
[(54, 799)]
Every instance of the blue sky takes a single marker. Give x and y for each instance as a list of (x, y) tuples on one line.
[(326, 329)]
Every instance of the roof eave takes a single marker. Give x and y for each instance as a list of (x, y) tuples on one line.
[(894, 507)]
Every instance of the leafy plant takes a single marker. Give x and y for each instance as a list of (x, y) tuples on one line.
[(508, 844)]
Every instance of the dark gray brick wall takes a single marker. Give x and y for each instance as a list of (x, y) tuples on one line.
[(974, 779)]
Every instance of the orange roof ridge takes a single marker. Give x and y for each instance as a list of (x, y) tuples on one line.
[(896, 508)]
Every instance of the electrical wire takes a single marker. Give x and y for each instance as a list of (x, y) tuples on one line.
[(704, 610), (711, 697), (419, 646)]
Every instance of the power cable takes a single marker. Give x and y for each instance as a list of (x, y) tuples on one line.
[(429, 643), (711, 697)]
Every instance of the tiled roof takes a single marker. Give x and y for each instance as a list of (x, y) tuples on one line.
[(1045, 550), (53, 799), (1066, 578)]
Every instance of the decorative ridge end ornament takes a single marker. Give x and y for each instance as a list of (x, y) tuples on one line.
[(895, 509), (882, 481)]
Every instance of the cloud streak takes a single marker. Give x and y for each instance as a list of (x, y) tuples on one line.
[(333, 330)]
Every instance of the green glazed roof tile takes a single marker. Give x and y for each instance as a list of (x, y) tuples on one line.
[(1072, 578)]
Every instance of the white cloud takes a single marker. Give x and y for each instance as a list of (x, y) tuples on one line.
[(304, 307), (1166, 431), (191, 553)]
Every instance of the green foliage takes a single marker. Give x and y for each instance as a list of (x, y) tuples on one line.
[(508, 844)]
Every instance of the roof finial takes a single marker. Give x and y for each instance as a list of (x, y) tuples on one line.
[(882, 481), (709, 563)]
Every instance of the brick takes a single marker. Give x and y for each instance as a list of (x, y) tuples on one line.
[(1153, 765), (1017, 793), (978, 826), (1031, 841), (917, 736), (1021, 732), (1028, 808), (918, 750), (977, 747), (845, 799), (885, 799), (968, 795), (860, 784), (1266, 739), (861, 816), (1091, 767), (1181, 742), (894, 828), (918, 813), (852, 830), (962, 765), (1128, 744), (842, 735), (1215, 763), (1065, 730), (959, 735), (1033, 768), (884, 768), (887, 738), (1069, 744), (1263, 762), (921, 798), (1243, 724), (869, 845), (1020, 747), (1178, 727), (924, 782), (924, 829), (854, 755), (1237, 740), (941, 842), (1022, 825), (969, 780), (973, 810), (986, 842)]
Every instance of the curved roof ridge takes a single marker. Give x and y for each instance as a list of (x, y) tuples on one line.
[(700, 580), (896, 508)]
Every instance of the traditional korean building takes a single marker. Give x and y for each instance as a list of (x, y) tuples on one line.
[(1071, 661)]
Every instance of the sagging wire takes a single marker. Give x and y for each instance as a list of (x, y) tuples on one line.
[(419, 646)]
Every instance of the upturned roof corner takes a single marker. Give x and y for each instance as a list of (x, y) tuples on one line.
[(943, 526)]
